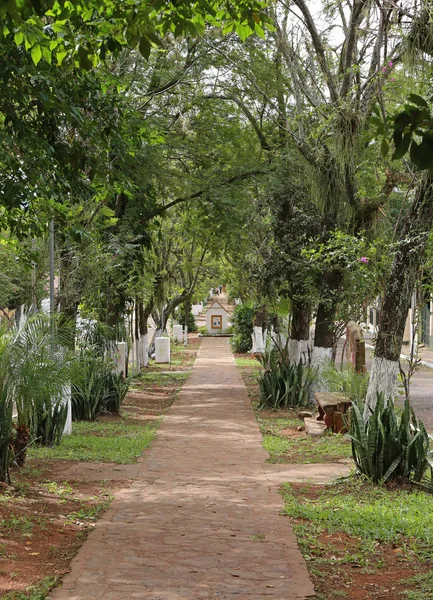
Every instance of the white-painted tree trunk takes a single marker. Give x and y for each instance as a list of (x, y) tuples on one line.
[(383, 380), (137, 354), (320, 359), (299, 351), (67, 430), (185, 336), (257, 337), (121, 358), (144, 350)]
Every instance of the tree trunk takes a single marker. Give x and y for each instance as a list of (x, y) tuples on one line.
[(399, 289), (70, 291), (143, 315), (324, 333), (299, 349)]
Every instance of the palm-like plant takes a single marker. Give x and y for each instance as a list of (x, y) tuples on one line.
[(6, 403), (39, 370)]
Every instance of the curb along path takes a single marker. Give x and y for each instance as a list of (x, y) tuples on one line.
[(202, 520)]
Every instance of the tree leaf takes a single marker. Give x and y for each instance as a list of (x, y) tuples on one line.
[(19, 38), (418, 100), (144, 47), (403, 146), (36, 54)]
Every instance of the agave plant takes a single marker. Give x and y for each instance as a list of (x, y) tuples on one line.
[(96, 388), (284, 384), (391, 444)]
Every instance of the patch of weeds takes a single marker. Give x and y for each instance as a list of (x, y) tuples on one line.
[(274, 426), (89, 513), (118, 442), (57, 489), (424, 587), (308, 449), (54, 551), (165, 378), (22, 524), (35, 592), (5, 554), (251, 363), (399, 517), (259, 537)]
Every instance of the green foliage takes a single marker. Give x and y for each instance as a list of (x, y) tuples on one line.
[(412, 132), (346, 381), (85, 31), (390, 445), (284, 384), (180, 317), (40, 371), (242, 324), (95, 388)]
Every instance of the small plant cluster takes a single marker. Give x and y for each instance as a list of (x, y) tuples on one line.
[(391, 445), (38, 369), (346, 381), (242, 326), (284, 384)]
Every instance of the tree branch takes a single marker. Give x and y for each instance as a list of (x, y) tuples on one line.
[(199, 193), (319, 48)]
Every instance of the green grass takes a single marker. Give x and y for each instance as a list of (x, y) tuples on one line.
[(106, 442), (160, 378), (253, 364), (37, 592), (401, 517), (309, 449), (274, 426), (424, 587)]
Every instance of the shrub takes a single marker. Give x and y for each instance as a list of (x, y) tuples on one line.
[(284, 384), (39, 373), (95, 388), (391, 444), (180, 317), (242, 325), (346, 381)]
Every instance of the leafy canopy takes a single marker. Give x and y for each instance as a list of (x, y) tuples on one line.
[(87, 30)]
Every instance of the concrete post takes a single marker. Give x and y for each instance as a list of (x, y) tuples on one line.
[(178, 333), (162, 350)]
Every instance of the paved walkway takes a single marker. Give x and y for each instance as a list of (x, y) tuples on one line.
[(202, 520)]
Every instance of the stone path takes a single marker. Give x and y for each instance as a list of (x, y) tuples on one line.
[(201, 521)]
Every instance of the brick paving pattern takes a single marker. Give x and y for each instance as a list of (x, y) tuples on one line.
[(201, 521)]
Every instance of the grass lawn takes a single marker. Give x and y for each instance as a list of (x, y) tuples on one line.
[(364, 541), (119, 442)]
